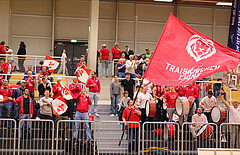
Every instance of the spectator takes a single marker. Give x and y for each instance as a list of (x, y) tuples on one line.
[(197, 99), (191, 90), (45, 113), (131, 66), (42, 73), (148, 84), (128, 85), (21, 51), (98, 58), (75, 88), (115, 93), (180, 90), (128, 52), (64, 59), (43, 86), (25, 109), (105, 58), (57, 91), (139, 71), (2, 51), (148, 54), (217, 87), (121, 68), (142, 59), (116, 51), (94, 89), (123, 104), (123, 58), (209, 87), (9, 52), (31, 82), (33, 73), (7, 68), (6, 107), (83, 103), (133, 128), (136, 60), (145, 65), (82, 63)]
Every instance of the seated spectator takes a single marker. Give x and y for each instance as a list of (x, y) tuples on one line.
[(116, 51), (139, 70), (131, 66), (128, 52), (136, 59), (121, 69), (7, 68), (43, 86), (26, 73), (31, 82), (145, 65), (42, 73), (142, 59), (148, 54)]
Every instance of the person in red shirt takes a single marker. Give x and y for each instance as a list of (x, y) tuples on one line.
[(7, 68), (31, 82), (83, 103), (197, 99), (116, 51), (42, 73), (57, 90), (75, 88), (105, 58), (180, 90), (2, 51), (82, 63), (169, 100), (6, 107), (133, 128), (94, 89), (191, 90)]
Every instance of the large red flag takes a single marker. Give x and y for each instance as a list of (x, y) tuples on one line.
[(65, 91), (184, 55)]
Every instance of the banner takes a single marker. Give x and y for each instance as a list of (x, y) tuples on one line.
[(51, 63), (65, 91), (59, 106), (184, 55), (82, 75)]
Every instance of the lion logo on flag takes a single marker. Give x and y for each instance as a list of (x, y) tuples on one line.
[(200, 48)]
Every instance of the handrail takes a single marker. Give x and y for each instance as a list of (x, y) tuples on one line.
[(14, 55)]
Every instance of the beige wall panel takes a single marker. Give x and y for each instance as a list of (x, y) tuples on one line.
[(34, 46), (153, 12), (196, 15), (126, 11), (149, 31), (72, 28), (126, 31), (4, 25), (42, 7), (206, 30), (107, 10), (106, 30), (221, 35), (72, 8), (33, 26), (141, 47), (222, 16)]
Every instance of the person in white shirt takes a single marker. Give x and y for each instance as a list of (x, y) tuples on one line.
[(9, 52), (64, 56), (148, 84), (234, 117), (207, 103), (131, 66), (197, 119), (142, 99)]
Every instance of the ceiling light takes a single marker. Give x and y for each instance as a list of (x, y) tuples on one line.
[(224, 3), (163, 0)]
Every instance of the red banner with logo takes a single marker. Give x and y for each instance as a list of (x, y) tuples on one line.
[(65, 91)]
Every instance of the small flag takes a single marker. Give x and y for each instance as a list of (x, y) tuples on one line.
[(82, 75), (3, 99), (51, 63), (65, 91), (59, 106)]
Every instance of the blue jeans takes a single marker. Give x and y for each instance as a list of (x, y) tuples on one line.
[(81, 116), (197, 101), (216, 93), (132, 76), (28, 124), (5, 109), (31, 94), (114, 102), (121, 75), (133, 134), (94, 99), (105, 67)]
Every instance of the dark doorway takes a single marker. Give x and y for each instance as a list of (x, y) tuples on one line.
[(74, 52)]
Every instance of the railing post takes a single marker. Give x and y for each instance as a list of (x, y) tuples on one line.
[(35, 70)]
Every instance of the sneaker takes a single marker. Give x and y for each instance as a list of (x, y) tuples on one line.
[(97, 115), (112, 115)]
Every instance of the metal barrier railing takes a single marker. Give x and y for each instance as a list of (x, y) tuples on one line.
[(7, 136), (75, 137), (229, 135), (198, 135), (35, 136), (109, 135), (160, 138)]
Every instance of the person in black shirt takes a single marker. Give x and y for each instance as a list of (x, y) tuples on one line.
[(21, 59), (43, 86), (128, 52), (128, 85)]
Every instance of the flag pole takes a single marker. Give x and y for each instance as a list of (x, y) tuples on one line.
[(119, 144)]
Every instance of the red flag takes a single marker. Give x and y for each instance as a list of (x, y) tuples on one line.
[(3, 99), (184, 55), (65, 91), (59, 106), (82, 75), (51, 63)]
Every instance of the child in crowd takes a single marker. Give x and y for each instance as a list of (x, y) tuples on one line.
[(123, 104)]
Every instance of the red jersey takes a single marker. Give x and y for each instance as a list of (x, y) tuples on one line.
[(208, 87), (56, 91), (170, 98), (191, 91), (2, 50), (105, 54), (133, 117), (83, 103), (30, 84), (75, 90), (198, 89), (6, 91), (94, 89), (20, 101), (116, 53), (160, 91), (81, 65), (181, 91), (5, 67)]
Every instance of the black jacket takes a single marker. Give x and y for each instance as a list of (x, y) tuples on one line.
[(22, 50)]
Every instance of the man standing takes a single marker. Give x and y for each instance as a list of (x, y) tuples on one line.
[(180, 90), (25, 109), (148, 54), (169, 99), (75, 88), (128, 85), (217, 87), (26, 72), (128, 52), (131, 66), (105, 58), (6, 107), (94, 89), (83, 103), (191, 90), (31, 82), (133, 128), (234, 117), (116, 51), (197, 119), (115, 93), (207, 103)]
